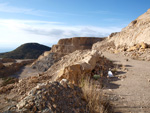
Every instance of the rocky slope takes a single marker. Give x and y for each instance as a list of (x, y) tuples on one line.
[(132, 41), (26, 51), (136, 32), (64, 47), (29, 92), (53, 97)]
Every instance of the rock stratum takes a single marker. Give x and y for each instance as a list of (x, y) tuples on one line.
[(64, 47)]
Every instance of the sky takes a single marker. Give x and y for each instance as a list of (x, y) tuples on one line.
[(47, 21)]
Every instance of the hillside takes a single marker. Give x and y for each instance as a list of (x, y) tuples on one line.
[(136, 32), (26, 51), (133, 41)]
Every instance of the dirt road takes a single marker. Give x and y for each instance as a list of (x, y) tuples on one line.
[(132, 93), (25, 72)]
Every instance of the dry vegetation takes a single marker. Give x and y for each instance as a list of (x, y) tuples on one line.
[(6, 60), (9, 80), (97, 102), (91, 87)]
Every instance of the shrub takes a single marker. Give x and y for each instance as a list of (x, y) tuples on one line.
[(9, 80), (96, 77), (6, 60), (97, 102)]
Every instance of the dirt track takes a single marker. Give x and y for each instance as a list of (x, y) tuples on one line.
[(131, 94), (25, 72)]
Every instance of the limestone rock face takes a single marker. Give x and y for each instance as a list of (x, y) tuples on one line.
[(136, 32), (64, 47), (74, 66), (70, 45)]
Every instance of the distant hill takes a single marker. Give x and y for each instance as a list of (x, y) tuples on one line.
[(26, 51)]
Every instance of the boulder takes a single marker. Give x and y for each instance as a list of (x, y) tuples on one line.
[(79, 64), (133, 48), (74, 71), (143, 45), (64, 47)]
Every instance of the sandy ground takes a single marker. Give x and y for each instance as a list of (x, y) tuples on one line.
[(130, 94), (25, 72), (8, 100)]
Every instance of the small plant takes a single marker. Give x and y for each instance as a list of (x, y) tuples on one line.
[(97, 103), (114, 70), (9, 80), (96, 77)]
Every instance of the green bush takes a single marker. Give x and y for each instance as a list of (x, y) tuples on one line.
[(96, 77)]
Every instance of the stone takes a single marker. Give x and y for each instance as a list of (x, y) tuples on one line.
[(34, 79), (73, 71), (54, 105), (143, 45), (116, 51), (133, 48), (21, 104), (63, 81), (64, 47)]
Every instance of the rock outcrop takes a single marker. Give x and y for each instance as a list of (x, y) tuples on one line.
[(132, 41), (78, 65), (137, 31), (64, 47)]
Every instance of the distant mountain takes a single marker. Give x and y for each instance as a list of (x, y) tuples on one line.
[(26, 51)]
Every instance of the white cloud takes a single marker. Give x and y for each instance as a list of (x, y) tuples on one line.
[(16, 32)]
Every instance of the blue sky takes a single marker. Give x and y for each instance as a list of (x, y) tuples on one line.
[(46, 21)]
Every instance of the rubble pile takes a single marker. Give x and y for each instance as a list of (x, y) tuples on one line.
[(53, 97)]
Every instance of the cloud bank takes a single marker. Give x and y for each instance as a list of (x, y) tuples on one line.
[(15, 32)]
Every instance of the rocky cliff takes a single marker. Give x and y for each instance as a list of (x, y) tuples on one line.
[(136, 32), (70, 45), (64, 47), (132, 41)]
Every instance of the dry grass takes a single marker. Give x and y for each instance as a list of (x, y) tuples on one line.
[(97, 102), (9, 80), (6, 60)]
